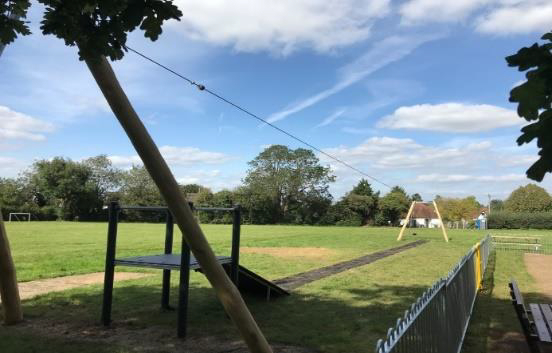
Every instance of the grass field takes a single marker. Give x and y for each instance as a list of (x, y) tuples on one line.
[(347, 312)]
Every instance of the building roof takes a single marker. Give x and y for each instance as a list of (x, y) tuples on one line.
[(423, 210), (476, 214)]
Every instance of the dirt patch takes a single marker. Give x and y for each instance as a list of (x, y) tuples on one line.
[(303, 278), (289, 252), (31, 289), (153, 339), (539, 266)]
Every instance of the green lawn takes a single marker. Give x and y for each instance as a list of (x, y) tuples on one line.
[(347, 312)]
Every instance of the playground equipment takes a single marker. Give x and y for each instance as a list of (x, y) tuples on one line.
[(407, 219), (244, 279)]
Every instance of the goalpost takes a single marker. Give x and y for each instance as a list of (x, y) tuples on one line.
[(407, 220), (15, 216)]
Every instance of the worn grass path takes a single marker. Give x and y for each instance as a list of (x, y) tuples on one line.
[(28, 290)]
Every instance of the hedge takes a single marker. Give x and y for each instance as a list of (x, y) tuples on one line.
[(520, 220)]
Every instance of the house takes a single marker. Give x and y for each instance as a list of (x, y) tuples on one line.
[(481, 213), (423, 216)]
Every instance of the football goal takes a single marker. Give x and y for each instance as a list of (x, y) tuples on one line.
[(19, 216)]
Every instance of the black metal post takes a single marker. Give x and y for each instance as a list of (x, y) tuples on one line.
[(236, 228), (110, 262), (183, 290), (169, 230)]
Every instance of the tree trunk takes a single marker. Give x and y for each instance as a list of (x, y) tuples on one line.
[(227, 293), (9, 292)]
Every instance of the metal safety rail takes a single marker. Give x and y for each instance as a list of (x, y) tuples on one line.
[(438, 320)]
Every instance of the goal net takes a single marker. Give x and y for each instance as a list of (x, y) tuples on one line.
[(19, 216)]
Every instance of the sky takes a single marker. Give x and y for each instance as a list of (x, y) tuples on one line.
[(414, 93)]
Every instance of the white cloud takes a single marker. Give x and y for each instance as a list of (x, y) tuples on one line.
[(418, 11), (10, 167), (280, 26), (125, 161), (517, 17), (492, 16), (404, 153), (455, 178), (7, 161), (513, 160), (450, 117), (383, 53), (14, 125), (176, 156), (201, 177)]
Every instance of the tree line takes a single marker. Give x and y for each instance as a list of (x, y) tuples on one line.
[(281, 186)]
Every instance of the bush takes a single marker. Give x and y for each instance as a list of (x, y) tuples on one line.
[(520, 220), (349, 222)]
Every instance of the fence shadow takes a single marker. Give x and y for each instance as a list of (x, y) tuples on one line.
[(494, 326)]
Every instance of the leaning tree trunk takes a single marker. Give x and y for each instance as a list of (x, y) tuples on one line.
[(9, 292), (227, 293)]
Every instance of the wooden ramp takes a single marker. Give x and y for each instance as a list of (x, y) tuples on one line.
[(251, 283)]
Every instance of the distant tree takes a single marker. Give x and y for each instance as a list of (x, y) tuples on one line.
[(393, 205), (191, 188), (108, 179), (139, 189), (357, 207), (363, 188), (528, 198), (287, 178), (534, 100), (456, 209), (257, 206), (416, 197), (497, 205), (14, 195), (67, 185)]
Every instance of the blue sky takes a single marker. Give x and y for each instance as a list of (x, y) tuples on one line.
[(414, 93)]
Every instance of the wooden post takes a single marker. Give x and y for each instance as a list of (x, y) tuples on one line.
[(227, 293), (441, 221), (406, 220), (9, 292)]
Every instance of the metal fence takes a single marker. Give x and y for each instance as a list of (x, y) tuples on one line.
[(523, 242), (438, 320)]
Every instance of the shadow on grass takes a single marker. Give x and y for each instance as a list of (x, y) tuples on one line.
[(336, 320), (494, 326)]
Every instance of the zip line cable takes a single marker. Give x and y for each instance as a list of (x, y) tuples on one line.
[(203, 88)]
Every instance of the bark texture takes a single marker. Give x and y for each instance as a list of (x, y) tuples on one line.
[(9, 292)]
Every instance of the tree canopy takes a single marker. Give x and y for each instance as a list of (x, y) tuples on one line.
[(456, 209), (287, 179), (12, 20), (393, 205), (99, 28), (534, 99), (528, 198)]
